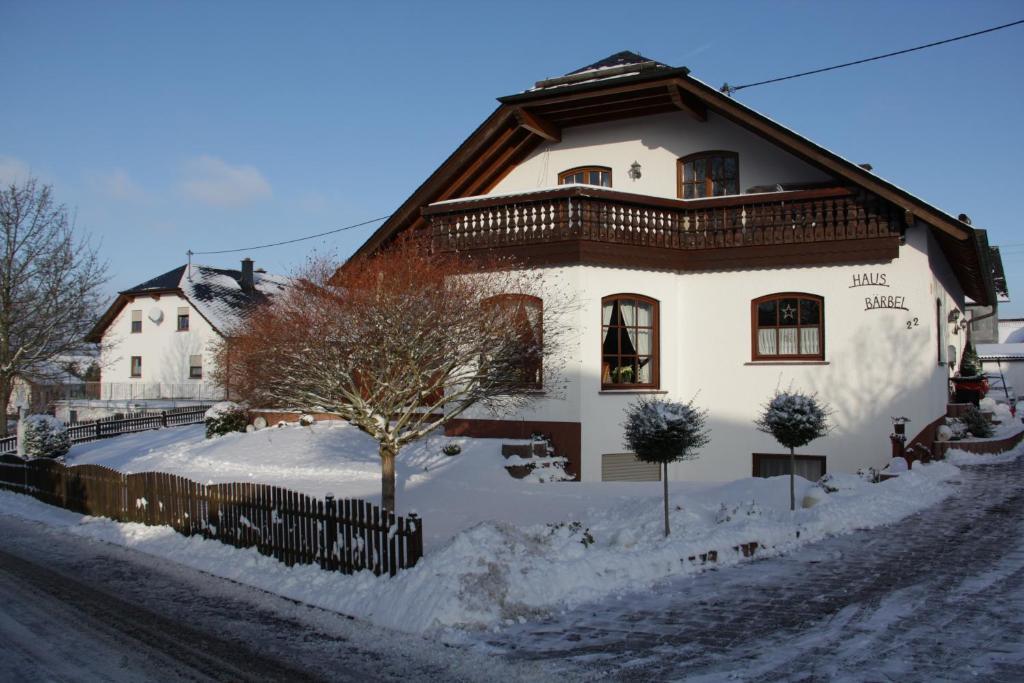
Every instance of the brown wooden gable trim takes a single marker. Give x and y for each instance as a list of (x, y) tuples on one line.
[(647, 93), (821, 157), (539, 125)]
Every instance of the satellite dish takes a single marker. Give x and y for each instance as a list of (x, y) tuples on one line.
[(155, 314)]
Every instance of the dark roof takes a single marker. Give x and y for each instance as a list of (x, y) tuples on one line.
[(216, 293), (623, 58), (168, 280)]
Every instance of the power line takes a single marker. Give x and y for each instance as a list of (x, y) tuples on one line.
[(730, 89), (293, 241)]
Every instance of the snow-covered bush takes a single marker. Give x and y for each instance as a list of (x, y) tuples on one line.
[(794, 419), (451, 448), (45, 437), (976, 423), (225, 417), (662, 431), (307, 420)]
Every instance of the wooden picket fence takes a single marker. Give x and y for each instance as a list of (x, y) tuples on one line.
[(339, 535), (104, 428)]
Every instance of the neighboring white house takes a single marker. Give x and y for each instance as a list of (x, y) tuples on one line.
[(716, 255), (156, 337)]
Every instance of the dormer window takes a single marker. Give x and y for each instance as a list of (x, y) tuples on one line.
[(586, 175), (709, 174)]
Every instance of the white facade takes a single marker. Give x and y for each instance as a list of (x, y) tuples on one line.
[(656, 142), (165, 351), (878, 363)]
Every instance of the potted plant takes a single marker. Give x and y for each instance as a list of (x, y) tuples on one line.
[(970, 383), (622, 374)]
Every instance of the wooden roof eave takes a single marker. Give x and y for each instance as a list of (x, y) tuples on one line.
[(433, 186), (823, 158)]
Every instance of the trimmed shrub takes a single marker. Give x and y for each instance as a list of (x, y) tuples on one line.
[(225, 417), (976, 424), (45, 437)]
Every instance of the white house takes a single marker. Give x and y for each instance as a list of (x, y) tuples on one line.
[(716, 255), (156, 337)]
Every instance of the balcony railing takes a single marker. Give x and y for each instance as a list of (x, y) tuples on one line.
[(595, 214)]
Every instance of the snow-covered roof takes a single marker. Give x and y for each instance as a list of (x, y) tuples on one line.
[(618, 65), (218, 296), (1000, 351), (1011, 330), (216, 293)]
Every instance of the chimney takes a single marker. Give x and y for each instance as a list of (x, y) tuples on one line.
[(247, 283)]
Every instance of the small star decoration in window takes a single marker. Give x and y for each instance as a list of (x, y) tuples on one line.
[(788, 312)]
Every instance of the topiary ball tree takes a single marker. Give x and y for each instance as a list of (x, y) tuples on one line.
[(794, 419), (663, 431)]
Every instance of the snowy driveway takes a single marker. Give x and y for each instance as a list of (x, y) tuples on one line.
[(937, 597), (75, 609)]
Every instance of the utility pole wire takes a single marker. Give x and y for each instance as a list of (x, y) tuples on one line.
[(297, 239), (730, 89)]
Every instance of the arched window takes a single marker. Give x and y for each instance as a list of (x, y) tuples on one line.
[(525, 314), (709, 174), (586, 175), (629, 342), (788, 326)]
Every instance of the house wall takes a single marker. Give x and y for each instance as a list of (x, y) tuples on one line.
[(656, 142), (1013, 372), (879, 363), (164, 350)]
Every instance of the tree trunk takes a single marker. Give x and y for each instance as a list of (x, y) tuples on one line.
[(664, 479), (387, 474), (792, 479), (6, 389)]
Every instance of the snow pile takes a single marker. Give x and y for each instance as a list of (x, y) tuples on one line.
[(220, 409), (594, 541), (956, 456)]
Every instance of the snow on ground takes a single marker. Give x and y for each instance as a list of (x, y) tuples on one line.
[(499, 550), (959, 457)]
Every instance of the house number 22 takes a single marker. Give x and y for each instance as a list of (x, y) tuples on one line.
[(912, 323)]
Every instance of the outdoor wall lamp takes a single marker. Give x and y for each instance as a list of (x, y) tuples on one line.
[(634, 170), (954, 315)]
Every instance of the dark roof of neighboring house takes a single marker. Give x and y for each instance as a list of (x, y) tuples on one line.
[(168, 280), (216, 293), (633, 86)]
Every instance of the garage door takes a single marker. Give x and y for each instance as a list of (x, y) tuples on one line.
[(625, 467)]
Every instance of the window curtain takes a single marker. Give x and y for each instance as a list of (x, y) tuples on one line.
[(766, 342), (809, 339)]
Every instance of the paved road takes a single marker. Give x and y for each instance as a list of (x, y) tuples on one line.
[(939, 597), (74, 609)]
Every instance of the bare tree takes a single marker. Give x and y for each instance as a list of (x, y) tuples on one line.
[(400, 344), (50, 286)]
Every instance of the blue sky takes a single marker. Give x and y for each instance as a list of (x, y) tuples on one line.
[(171, 126)]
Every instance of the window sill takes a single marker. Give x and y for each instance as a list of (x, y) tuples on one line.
[(788, 362), (632, 391)]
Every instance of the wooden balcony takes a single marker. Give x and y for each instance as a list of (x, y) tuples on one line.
[(579, 223)]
